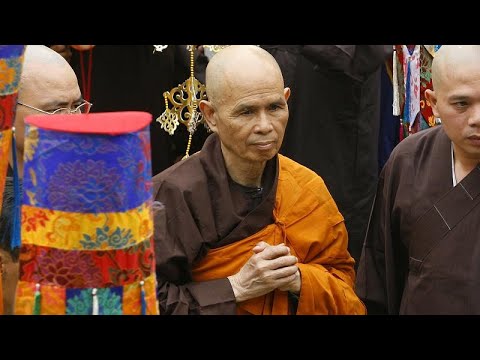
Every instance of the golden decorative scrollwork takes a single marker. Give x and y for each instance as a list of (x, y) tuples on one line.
[(184, 99), (168, 121), (181, 102)]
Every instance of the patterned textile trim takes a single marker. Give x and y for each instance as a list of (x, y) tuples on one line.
[(11, 61), (94, 174), (86, 269), (56, 300), (5, 143), (8, 104), (79, 231)]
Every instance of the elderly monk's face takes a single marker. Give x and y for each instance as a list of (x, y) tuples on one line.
[(252, 114)]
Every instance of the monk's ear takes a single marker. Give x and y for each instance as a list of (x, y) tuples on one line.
[(432, 99), (209, 114), (286, 93)]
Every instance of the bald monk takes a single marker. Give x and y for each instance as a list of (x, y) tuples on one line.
[(47, 84), (422, 251), (244, 229)]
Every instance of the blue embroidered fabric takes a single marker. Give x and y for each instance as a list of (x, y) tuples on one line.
[(8, 51), (93, 174)]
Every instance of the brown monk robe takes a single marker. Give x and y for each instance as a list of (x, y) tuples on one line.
[(219, 244), (318, 244), (422, 250)]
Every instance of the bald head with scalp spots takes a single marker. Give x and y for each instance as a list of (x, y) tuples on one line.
[(236, 64), (38, 60)]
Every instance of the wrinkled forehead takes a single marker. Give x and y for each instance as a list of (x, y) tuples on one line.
[(252, 78)]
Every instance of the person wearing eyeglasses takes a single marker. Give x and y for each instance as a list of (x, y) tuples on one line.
[(48, 85), (82, 108)]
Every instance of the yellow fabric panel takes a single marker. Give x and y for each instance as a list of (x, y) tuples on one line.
[(131, 297), (52, 300), (24, 295), (80, 231)]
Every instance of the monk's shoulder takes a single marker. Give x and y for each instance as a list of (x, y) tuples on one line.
[(181, 176), (304, 179)]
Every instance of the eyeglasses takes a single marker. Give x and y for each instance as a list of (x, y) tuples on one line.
[(83, 108)]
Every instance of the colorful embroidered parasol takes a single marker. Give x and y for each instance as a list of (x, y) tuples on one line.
[(87, 228)]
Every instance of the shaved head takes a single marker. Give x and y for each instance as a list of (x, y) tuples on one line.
[(449, 58), (237, 63), (247, 108), (41, 54), (47, 82), (39, 60), (455, 99)]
